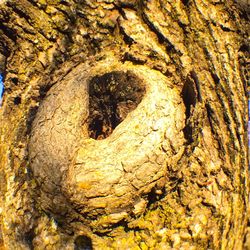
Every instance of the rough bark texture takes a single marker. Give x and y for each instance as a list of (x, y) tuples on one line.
[(124, 124)]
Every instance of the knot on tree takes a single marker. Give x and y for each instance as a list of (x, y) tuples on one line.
[(102, 140)]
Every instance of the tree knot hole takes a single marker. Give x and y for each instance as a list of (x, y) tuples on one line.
[(112, 96)]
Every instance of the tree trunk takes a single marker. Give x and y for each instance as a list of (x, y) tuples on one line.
[(124, 124)]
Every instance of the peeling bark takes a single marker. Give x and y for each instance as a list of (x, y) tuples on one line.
[(123, 124)]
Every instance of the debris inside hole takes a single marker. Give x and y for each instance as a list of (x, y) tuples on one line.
[(112, 97), (83, 243)]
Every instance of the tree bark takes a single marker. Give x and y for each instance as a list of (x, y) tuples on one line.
[(124, 124)]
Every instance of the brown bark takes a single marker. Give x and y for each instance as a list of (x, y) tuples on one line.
[(124, 124)]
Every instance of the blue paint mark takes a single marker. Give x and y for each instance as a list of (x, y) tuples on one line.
[(1, 87), (249, 123), (249, 106)]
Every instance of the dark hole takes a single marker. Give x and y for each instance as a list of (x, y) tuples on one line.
[(43, 90), (189, 97), (112, 97), (17, 100), (28, 237), (65, 3), (216, 78), (245, 48), (185, 2), (154, 197), (225, 28), (188, 133), (14, 80), (83, 243)]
